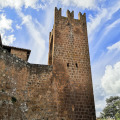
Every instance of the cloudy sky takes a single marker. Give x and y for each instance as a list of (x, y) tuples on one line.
[(27, 23)]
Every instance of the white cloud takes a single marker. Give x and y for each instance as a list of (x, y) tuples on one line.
[(111, 79), (114, 46), (107, 30), (100, 105), (101, 18), (38, 34), (99, 96), (113, 25), (83, 4), (89, 4), (98, 29), (18, 27), (95, 22), (18, 4), (7, 40), (6, 26), (37, 42)]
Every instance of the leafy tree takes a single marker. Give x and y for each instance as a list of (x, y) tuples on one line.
[(117, 116), (112, 108)]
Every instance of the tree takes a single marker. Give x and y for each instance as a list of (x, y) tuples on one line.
[(117, 116), (112, 108)]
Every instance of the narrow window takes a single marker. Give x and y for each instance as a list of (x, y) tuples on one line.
[(67, 64), (76, 65)]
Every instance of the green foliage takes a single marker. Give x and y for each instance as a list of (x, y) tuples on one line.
[(112, 108), (117, 116)]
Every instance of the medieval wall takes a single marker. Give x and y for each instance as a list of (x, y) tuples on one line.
[(25, 89), (61, 90)]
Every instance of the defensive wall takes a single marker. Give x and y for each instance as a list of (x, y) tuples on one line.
[(61, 90)]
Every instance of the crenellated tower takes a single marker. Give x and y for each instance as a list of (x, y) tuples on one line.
[(69, 55)]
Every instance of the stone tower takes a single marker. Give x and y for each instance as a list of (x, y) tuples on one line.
[(69, 55), (61, 90)]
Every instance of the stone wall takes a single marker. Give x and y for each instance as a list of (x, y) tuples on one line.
[(71, 67), (20, 53), (25, 89), (61, 90)]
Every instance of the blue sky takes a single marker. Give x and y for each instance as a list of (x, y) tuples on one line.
[(27, 23)]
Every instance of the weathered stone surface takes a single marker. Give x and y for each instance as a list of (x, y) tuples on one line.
[(61, 90)]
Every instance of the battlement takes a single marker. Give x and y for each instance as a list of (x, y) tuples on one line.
[(70, 15), (58, 11), (80, 16)]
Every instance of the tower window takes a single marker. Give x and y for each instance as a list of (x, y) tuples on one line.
[(76, 65), (67, 64)]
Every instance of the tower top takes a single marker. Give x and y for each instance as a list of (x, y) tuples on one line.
[(70, 15)]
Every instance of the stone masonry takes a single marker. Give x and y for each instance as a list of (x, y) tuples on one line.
[(61, 90)]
